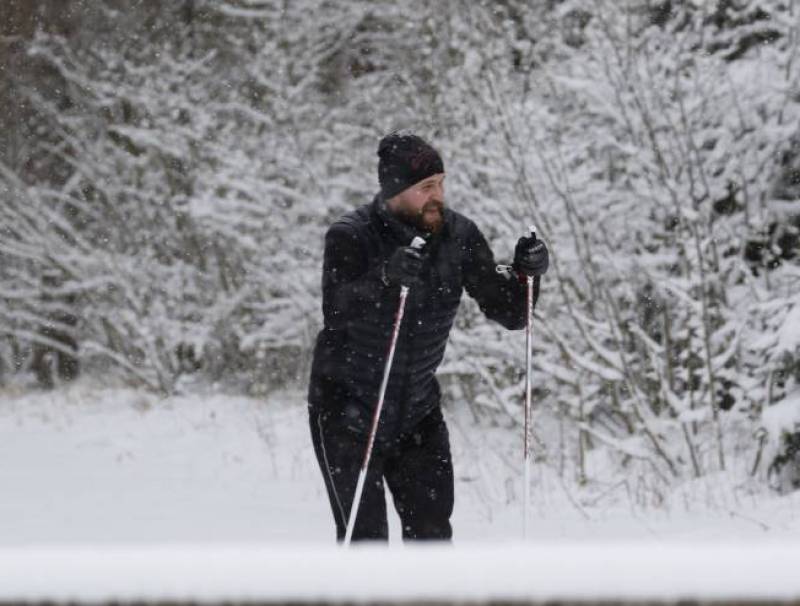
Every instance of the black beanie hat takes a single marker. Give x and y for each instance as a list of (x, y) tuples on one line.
[(404, 161)]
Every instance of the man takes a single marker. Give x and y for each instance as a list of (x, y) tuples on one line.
[(367, 258)]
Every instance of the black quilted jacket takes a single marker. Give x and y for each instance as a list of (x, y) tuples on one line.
[(359, 311)]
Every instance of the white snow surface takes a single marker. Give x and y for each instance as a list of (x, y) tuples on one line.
[(538, 572), (113, 493), (783, 417)]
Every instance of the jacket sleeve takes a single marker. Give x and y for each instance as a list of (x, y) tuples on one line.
[(350, 280), (502, 298)]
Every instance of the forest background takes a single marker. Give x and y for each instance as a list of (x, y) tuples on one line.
[(168, 170)]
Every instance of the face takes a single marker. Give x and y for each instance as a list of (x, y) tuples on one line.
[(422, 204)]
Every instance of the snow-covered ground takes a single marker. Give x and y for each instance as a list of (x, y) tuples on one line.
[(101, 474)]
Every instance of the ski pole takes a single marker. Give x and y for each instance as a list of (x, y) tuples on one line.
[(526, 493), (417, 243)]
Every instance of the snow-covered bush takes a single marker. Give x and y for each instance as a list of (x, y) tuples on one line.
[(651, 168)]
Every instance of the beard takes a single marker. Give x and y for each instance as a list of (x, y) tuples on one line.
[(429, 218)]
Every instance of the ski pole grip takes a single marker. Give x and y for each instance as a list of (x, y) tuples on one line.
[(532, 230), (417, 243)]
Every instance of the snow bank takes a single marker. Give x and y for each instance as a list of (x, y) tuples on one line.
[(233, 572)]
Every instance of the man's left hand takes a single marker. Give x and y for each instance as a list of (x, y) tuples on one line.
[(531, 256)]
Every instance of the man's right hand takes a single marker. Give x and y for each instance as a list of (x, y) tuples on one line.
[(404, 266)]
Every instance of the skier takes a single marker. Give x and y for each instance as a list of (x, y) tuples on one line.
[(367, 258)]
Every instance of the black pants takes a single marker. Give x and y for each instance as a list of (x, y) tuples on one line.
[(416, 466)]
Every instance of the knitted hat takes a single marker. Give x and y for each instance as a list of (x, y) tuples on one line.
[(404, 161)]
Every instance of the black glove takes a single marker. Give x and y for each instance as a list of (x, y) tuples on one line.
[(404, 266), (531, 257)]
